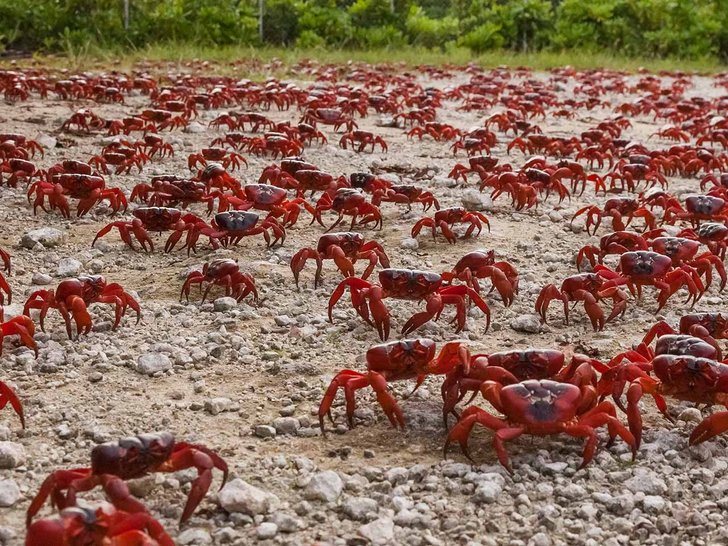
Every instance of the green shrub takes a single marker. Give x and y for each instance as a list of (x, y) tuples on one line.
[(308, 39), (426, 31), (679, 28), (325, 18)]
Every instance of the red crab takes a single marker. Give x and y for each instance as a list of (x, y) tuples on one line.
[(221, 273), (707, 326), (156, 219), (19, 169), (102, 526), (329, 116), (155, 145), (394, 361), (684, 251), (114, 462), (444, 220), (682, 376), (405, 194), (481, 165), (230, 227), (21, 142), (8, 396), (173, 191), (589, 288), (275, 144), (21, 326), (407, 284), (84, 120), (284, 174), (124, 158), (509, 367), (344, 249), (438, 131), (481, 264), (474, 142), (644, 268), (618, 242), (713, 235), (616, 208), (229, 160), (4, 286), (72, 298), (348, 202), (699, 208), (363, 139), (268, 198), (87, 188), (542, 408)]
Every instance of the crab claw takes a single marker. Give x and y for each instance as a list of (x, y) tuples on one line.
[(710, 427)]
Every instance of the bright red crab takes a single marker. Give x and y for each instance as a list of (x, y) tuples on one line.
[(87, 188), (275, 144), (8, 396), (362, 139), (229, 160), (4, 286), (121, 156), (267, 198), (173, 191), (73, 296), (405, 194), (114, 462), (20, 326), (102, 526), (509, 367), (329, 116), (617, 208), (84, 120), (407, 284), (542, 407), (394, 361), (229, 228), (711, 234), (155, 219), (348, 202), (684, 251), (344, 249), (444, 219), (644, 268), (699, 208), (481, 264), (224, 273), (618, 242), (707, 326), (20, 170), (589, 288), (283, 175), (681, 376), (481, 165), (438, 131)]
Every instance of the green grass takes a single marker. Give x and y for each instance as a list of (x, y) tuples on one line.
[(176, 55)]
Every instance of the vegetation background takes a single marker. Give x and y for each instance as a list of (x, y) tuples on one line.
[(685, 29)]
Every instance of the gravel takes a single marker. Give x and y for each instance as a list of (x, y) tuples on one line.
[(152, 363), (324, 486), (240, 496)]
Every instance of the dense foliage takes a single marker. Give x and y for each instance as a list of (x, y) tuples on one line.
[(683, 28)]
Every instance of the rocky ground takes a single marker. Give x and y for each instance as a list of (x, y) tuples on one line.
[(246, 380)]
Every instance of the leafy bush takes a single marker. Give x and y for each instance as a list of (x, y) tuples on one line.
[(325, 18), (681, 28), (429, 32)]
